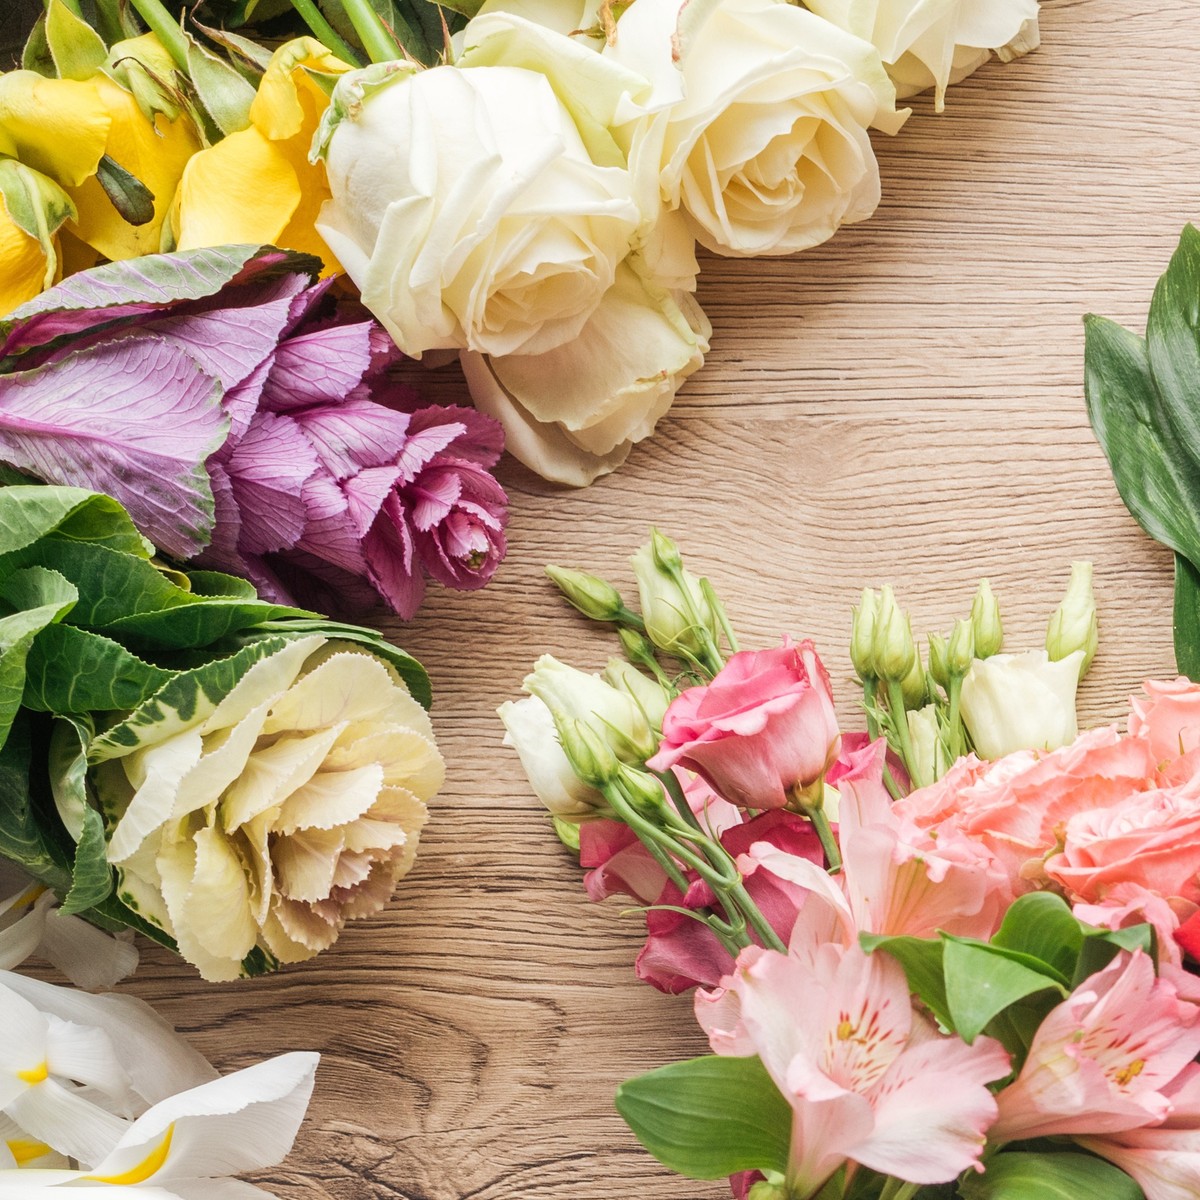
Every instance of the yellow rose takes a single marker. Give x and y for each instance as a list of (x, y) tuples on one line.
[(257, 185), (271, 817)]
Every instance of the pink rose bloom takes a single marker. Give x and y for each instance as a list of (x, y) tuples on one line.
[(1169, 719), (762, 729)]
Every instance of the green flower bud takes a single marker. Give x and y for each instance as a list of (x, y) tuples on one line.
[(928, 749), (913, 685), (677, 615), (642, 790), (985, 616), (567, 833), (939, 660), (638, 647), (590, 756), (961, 651), (596, 598), (862, 635), (895, 651), (1074, 625), (649, 695)]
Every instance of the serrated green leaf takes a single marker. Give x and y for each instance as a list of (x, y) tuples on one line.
[(709, 1117), (921, 959), (29, 513), (1020, 1175), (1158, 482), (1042, 926), (71, 670), (982, 981), (77, 49), (91, 875), (1186, 618)]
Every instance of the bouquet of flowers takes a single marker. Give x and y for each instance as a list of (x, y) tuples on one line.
[(930, 960)]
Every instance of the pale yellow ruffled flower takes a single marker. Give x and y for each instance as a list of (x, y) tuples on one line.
[(257, 185)]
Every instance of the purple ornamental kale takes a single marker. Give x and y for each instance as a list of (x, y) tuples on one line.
[(240, 411)]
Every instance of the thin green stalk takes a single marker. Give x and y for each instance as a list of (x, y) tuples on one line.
[(165, 28), (900, 724), (898, 1189), (761, 926), (372, 32), (324, 32), (674, 789), (954, 718), (870, 700), (824, 832)]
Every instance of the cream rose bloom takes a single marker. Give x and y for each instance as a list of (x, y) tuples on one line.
[(575, 413), (757, 119), (934, 43), (270, 818), (468, 208)]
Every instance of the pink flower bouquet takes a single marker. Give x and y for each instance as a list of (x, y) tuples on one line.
[(920, 973)]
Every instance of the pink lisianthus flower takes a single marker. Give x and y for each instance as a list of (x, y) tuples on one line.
[(868, 1078), (337, 485), (761, 731), (1100, 1061)]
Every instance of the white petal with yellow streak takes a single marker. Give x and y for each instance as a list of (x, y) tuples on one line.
[(221, 765), (408, 758), (305, 863), (346, 687)]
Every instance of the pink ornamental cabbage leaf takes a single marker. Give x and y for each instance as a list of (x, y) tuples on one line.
[(133, 419)]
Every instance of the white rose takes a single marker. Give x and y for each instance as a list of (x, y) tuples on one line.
[(468, 209), (529, 729), (1021, 702), (934, 43), (272, 817), (574, 413), (757, 119)]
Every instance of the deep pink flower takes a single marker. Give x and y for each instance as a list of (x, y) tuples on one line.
[(868, 1078), (762, 729)]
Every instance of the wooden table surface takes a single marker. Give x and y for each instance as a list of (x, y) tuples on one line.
[(903, 404)]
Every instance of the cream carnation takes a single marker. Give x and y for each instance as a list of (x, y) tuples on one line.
[(270, 817)]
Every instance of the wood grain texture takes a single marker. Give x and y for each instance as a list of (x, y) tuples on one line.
[(903, 404)]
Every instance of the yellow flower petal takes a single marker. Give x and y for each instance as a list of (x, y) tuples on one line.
[(22, 264), (243, 189), (289, 101), (57, 126), (155, 153)]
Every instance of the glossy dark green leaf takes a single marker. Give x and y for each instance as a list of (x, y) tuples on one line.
[(25, 836), (1101, 946), (1173, 341), (709, 1117), (1042, 925), (1186, 619), (1157, 480), (132, 199), (982, 981), (1020, 1175), (921, 959)]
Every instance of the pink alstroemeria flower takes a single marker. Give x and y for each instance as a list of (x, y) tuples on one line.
[(868, 1078), (1103, 1060)]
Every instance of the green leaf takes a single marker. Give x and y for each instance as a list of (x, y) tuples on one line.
[(77, 49), (29, 513), (1155, 477), (91, 875), (1020, 1175), (1101, 946), (1173, 341), (71, 670), (1042, 926), (709, 1117), (1187, 618), (921, 959), (132, 199), (982, 981), (226, 96), (24, 836), (36, 54)]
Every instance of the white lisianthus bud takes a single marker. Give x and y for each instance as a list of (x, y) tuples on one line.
[(960, 654), (939, 660), (862, 635), (929, 752), (895, 650), (1021, 702), (1074, 625), (611, 714), (934, 43), (529, 729), (985, 617), (675, 617), (649, 695), (596, 598)]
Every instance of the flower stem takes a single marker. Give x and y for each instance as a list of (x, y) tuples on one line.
[(900, 724), (820, 824), (870, 699), (377, 40), (325, 33), (955, 719), (898, 1189), (165, 28)]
